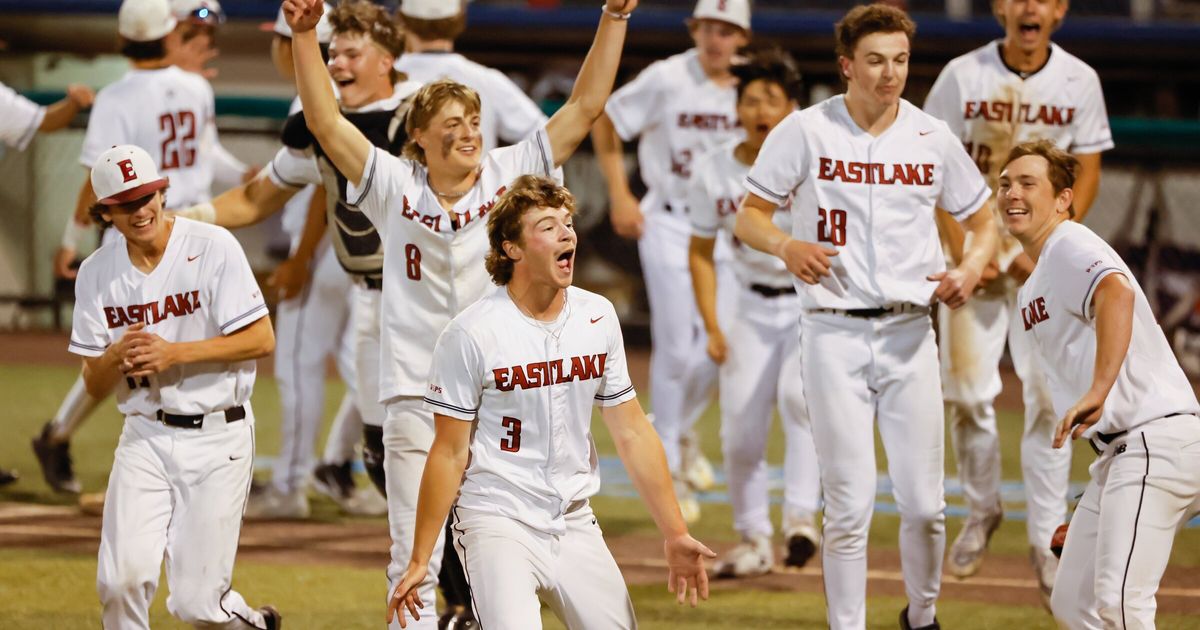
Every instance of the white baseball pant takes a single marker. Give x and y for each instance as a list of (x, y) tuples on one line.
[(309, 328), (682, 377), (762, 372), (367, 322), (76, 406), (1144, 489), (407, 435), (179, 494), (510, 565), (857, 370)]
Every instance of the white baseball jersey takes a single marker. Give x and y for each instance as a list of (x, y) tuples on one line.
[(715, 192), (166, 112), (436, 267), (202, 288), (531, 385), (992, 108), (19, 118), (1056, 309), (871, 198), (508, 114), (680, 114)]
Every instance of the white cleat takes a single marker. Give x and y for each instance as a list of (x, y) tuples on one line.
[(274, 505), (751, 557), (966, 554), (365, 501), (689, 507), (803, 540), (694, 466)]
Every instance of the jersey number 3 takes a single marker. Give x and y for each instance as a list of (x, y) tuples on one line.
[(831, 228), (179, 139), (511, 443)]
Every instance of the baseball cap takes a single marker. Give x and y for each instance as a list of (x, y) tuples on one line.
[(431, 9), (280, 25), (125, 173), (198, 11), (145, 20), (735, 12)]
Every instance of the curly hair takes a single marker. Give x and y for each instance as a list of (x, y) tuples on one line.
[(362, 17), (427, 102), (867, 19), (526, 193), (773, 65)]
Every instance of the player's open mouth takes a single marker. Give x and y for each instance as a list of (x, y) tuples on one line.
[(1030, 28), (1016, 212), (141, 224), (344, 83), (566, 261), (762, 128), (468, 149)]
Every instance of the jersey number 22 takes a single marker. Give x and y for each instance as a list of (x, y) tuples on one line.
[(179, 139)]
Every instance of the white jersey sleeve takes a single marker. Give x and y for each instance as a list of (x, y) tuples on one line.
[(964, 191), (530, 156), (1076, 268), (781, 163), (616, 387), (233, 292), (636, 107), (385, 177), (944, 101), (293, 168), (456, 377), (106, 129), (89, 335), (19, 118), (517, 116), (1093, 134)]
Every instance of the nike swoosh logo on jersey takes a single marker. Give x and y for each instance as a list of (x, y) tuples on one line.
[(234, 458), (925, 133), (597, 319), (191, 258)]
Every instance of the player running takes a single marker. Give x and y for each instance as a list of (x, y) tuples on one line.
[(427, 207), (513, 382), (1114, 382), (1020, 88), (680, 107), (760, 366), (169, 315), (865, 172)]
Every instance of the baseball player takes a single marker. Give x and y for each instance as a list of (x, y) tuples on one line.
[(168, 315), (165, 110), (431, 26), (680, 107), (1114, 382), (760, 368), (1007, 92), (426, 206), (513, 381), (20, 120), (865, 172)]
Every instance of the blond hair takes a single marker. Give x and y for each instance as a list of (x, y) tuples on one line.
[(427, 102)]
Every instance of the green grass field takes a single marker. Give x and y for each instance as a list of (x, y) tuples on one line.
[(41, 589)]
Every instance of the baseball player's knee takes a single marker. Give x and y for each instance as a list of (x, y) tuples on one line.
[(928, 517), (127, 582)]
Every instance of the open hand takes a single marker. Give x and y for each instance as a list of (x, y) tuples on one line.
[(807, 261), (954, 286), (303, 15), (406, 596), (685, 563), (1079, 417)]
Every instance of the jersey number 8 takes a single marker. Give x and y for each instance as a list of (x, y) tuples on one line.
[(412, 261), (511, 443), (179, 139), (831, 228)]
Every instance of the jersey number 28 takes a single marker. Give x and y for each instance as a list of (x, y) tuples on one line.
[(511, 443), (179, 139), (831, 228)]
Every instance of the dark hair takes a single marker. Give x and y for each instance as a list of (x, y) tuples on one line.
[(97, 209), (504, 220), (867, 19), (362, 17), (143, 51), (445, 28), (770, 64), (1061, 167)]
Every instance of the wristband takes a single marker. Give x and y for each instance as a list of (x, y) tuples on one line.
[(613, 14), (204, 212)]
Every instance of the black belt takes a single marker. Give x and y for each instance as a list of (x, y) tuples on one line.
[(374, 283), (873, 313), (1107, 438), (771, 292), (182, 421)]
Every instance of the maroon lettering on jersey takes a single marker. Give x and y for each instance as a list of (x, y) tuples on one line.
[(177, 305), (727, 206), (1029, 113), (127, 171), (830, 169), (704, 121), (1035, 313), (544, 373), (461, 219)]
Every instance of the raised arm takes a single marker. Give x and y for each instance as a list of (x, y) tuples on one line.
[(345, 145), (244, 205), (571, 123)]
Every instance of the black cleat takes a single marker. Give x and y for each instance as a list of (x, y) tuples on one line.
[(457, 620), (905, 626), (272, 617), (8, 476), (334, 480), (55, 460), (800, 549)]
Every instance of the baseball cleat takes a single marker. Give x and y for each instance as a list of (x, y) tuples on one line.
[(271, 617), (334, 481), (1045, 567), (458, 618), (55, 460), (365, 502), (751, 557), (689, 507), (904, 625), (272, 505), (8, 476), (803, 541), (694, 466), (966, 554)]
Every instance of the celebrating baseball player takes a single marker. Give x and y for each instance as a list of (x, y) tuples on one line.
[(1006, 92), (1116, 383), (169, 315), (865, 172), (513, 381), (761, 368), (156, 106), (680, 107), (426, 207)]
